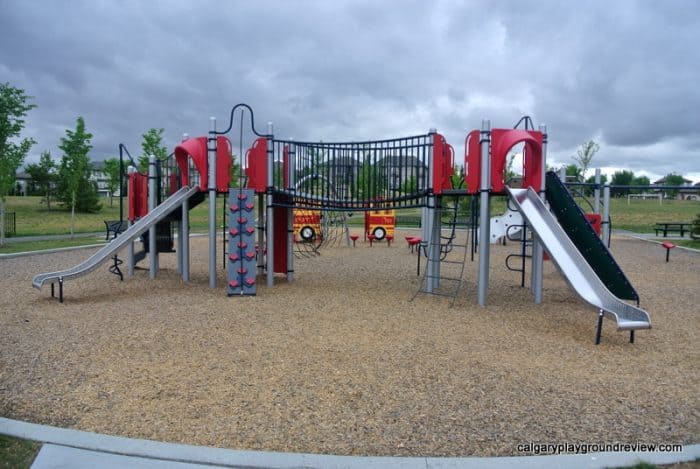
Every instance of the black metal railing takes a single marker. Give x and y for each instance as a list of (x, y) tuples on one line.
[(390, 173)]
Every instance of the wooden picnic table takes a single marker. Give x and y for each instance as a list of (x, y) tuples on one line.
[(666, 227)]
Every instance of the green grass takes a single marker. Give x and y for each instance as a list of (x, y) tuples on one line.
[(26, 246), (17, 454), (33, 219)]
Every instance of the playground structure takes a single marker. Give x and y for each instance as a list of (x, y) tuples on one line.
[(285, 176)]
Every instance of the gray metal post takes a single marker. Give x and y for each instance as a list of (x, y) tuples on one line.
[(606, 213), (562, 174), (130, 246), (484, 212), (152, 249), (184, 237), (537, 248), (261, 234), (269, 217), (596, 192), (179, 250), (433, 260), (291, 168), (185, 243), (211, 185)]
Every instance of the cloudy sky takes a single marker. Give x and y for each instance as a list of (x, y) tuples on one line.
[(624, 73)]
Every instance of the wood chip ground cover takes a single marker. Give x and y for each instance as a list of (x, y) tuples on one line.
[(341, 361)]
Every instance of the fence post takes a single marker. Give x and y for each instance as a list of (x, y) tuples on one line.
[(606, 214)]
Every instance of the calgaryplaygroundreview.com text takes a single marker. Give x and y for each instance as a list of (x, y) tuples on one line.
[(586, 448)]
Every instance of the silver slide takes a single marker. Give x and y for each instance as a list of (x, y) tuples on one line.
[(135, 230), (573, 265)]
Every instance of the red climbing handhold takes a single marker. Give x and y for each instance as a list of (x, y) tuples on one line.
[(234, 257), (250, 255), (242, 245), (234, 208), (242, 196), (234, 231), (249, 206), (242, 220), (242, 271), (250, 230), (250, 281), (233, 284)]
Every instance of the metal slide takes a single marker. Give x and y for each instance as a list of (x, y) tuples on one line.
[(573, 265), (135, 230)]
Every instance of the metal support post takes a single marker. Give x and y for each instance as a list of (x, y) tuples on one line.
[(485, 212), (291, 165), (537, 247), (596, 192), (185, 243), (152, 247), (261, 234), (130, 245), (599, 327), (270, 214), (211, 185), (606, 214)]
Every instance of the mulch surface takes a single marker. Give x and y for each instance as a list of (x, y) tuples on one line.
[(342, 361)]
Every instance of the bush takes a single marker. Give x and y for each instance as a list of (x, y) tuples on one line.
[(695, 229)]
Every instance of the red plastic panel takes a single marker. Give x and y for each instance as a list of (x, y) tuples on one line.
[(596, 221), (281, 218), (449, 166), (138, 195), (256, 165), (472, 162), (502, 140), (438, 162), (197, 149), (223, 163)]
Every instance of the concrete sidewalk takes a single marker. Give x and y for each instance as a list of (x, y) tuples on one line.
[(65, 448)]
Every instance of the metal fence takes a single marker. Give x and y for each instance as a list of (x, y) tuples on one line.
[(392, 173)]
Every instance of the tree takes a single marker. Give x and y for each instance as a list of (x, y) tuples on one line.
[(75, 188), (14, 105), (111, 170), (152, 145), (640, 181), (574, 171), (584, 156), (44, 176), (622, 178), (674, 179)]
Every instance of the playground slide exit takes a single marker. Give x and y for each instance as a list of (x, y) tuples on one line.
[(573, 265), (135, 230)]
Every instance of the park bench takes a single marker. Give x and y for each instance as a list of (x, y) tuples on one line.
[(115, 227), (672, 227)]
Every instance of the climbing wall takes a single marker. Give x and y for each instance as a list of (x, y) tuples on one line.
[(241, 242)]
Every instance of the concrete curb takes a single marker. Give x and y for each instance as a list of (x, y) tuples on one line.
[(65, 442)]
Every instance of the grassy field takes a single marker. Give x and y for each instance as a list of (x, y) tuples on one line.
[(33, 218), (17, 454)]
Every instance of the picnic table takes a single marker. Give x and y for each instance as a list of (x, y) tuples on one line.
[(673, 227)]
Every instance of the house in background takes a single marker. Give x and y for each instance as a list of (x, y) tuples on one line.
[(25, 186), (691, 193)]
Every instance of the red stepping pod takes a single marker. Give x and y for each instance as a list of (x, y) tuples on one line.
[(668, 245)]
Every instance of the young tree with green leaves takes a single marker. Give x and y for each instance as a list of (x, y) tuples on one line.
[(14, 105), (111, 170), (584, 156), (75, 188), (674, 179), (152, 144), (574, 171), (44, 177), (621, 178)]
